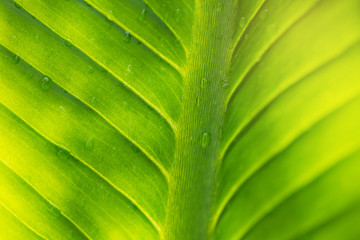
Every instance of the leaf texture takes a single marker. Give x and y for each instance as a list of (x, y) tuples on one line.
[(189, 119)]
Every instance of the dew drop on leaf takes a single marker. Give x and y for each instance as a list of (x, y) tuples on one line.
[(242, 22), (198, 102), (271, 29), (62, 153), (127, 37), (134, 148), (93, 101), (246, 37), (205, 139), (89, 143), (17, 5), (68, 43), (45, 83), (90, 69), (55, 211), (204, 83), (219, 6), (177, 43), (225, 84), (113, 152), (141, 18), (125, 105), (264, 14), (102, 69), (15, 59)]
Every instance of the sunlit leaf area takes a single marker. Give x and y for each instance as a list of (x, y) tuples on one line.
[(180, 119)]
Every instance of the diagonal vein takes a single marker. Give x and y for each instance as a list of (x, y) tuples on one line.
[(329, 220), (255, 169), (275, 96), (176, 66), (169, 26), (161, 111), (239, 37), (122, 192), (264, 50), (283, 198), (146, 153), (47, 200), (25, 224)]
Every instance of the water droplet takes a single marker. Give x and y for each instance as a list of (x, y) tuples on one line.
[(141, 18), (90, 69), (127, 37), (15, 59), (242, 22), (177, 11), (220, 132), (89, 143), (162, 42), (198, 102), (205, 139), (219, 6), (113, 152), (134, 148), (102, 69), (56, 212), (225, 85), (125, 105), (45, 83), (68, 43), (93, 100), (264, 13), (62, 153), (204, 83), (177, 43), (17, 5), (271, 28)]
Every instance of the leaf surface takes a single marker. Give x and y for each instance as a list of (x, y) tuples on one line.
[(143, 119)]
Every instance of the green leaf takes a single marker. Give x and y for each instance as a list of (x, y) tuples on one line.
[(161, 119)]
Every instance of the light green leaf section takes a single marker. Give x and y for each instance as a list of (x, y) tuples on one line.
[(159, 85), (94, 214), (186, 119), (92, 86)]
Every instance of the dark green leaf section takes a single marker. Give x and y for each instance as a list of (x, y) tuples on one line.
[(71, 125)]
